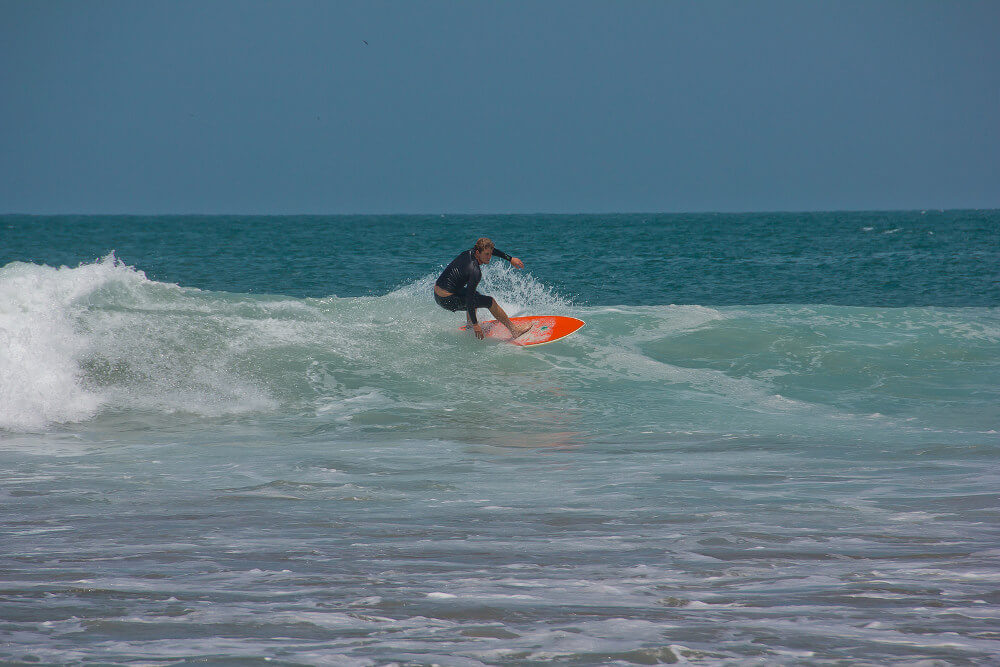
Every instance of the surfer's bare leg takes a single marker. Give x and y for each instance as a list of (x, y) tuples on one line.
[(498, 313)]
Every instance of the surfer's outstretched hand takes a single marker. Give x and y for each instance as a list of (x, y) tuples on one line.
[(517, 263), (478, 331)]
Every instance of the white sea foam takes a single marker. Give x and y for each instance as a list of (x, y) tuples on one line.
[(40, 344), (74, 341)]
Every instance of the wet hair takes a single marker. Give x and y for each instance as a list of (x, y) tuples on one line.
[(483, 244)]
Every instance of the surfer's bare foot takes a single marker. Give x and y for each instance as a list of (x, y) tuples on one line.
[(517, 333)]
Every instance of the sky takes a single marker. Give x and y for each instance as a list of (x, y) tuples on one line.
[(327, 107)]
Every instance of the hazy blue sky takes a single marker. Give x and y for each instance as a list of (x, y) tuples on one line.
[(217, 106)]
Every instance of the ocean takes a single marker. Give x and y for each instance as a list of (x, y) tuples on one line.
[(256, 440)]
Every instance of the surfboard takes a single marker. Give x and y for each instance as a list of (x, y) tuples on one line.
[(544, 329)]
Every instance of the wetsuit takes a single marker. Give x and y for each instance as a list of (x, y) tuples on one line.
[(461, 278)]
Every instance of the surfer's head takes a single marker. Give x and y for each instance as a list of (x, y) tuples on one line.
[(483, 250)]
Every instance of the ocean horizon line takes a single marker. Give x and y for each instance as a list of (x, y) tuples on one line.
[(495, 213)]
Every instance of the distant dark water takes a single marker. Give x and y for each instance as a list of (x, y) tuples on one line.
[(907, 258)]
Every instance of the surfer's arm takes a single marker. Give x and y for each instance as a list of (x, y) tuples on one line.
[(513, 260)]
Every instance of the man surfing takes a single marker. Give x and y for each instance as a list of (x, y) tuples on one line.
[(455, 288)]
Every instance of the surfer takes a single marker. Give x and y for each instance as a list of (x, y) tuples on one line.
[(455, 288)]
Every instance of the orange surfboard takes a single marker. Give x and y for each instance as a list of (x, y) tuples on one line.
[(544, 329)]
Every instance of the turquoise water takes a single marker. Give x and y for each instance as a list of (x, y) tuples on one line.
[(257, 440)]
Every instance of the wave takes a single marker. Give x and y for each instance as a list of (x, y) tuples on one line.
[(102, 340), (78, 341)]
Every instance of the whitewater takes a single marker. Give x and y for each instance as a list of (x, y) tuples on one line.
[(200, 469)]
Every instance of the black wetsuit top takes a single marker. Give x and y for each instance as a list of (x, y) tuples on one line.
[(462, 277)]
